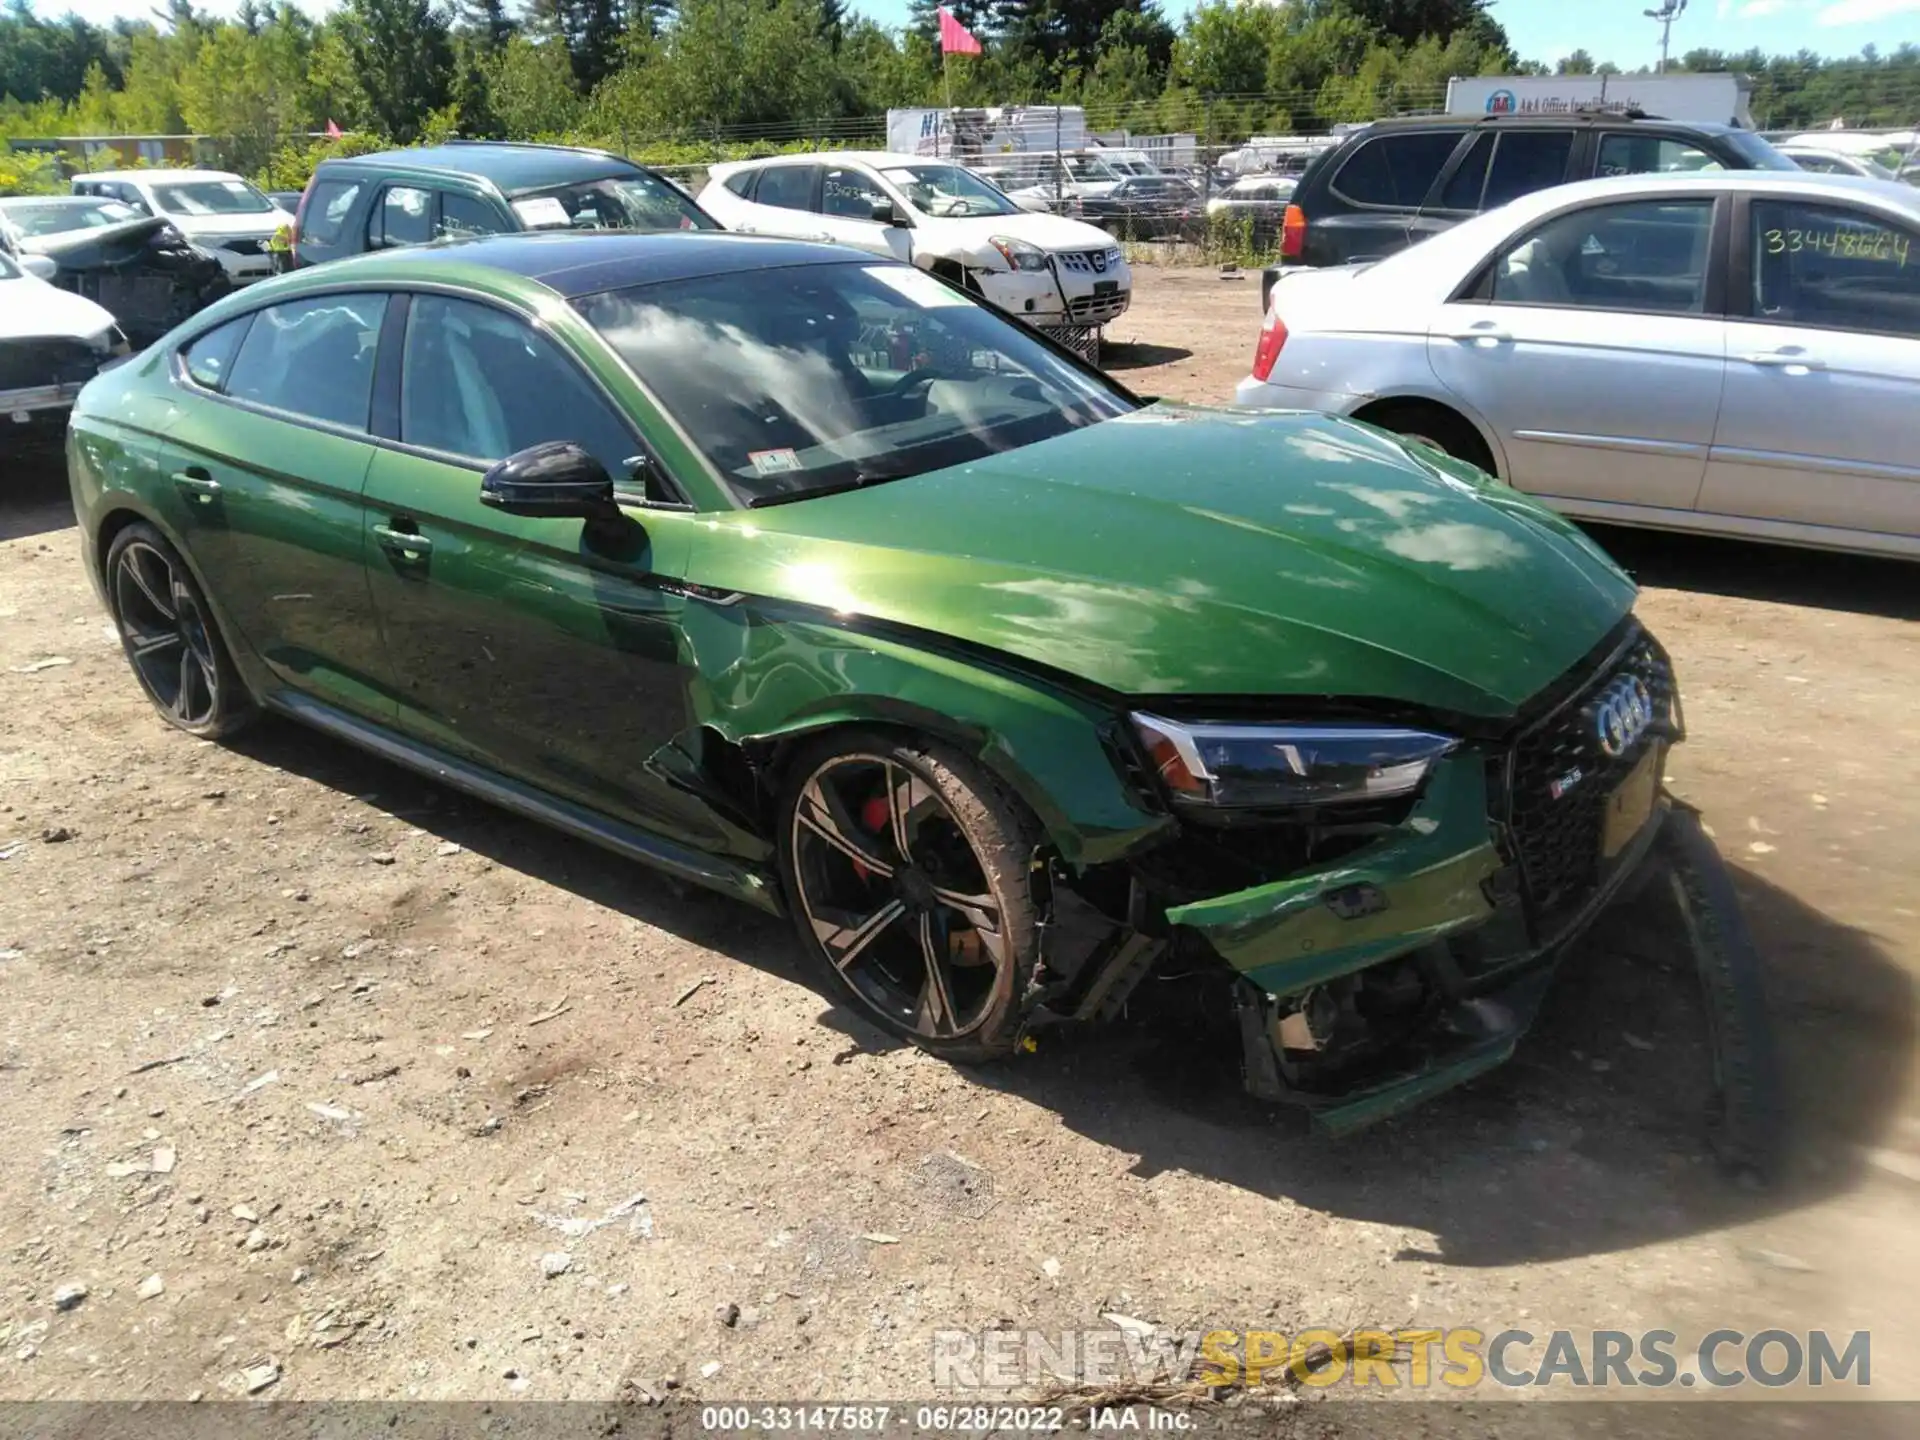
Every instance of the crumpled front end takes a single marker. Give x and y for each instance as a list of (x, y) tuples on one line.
[(1415, 961)]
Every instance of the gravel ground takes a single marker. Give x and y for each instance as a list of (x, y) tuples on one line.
[(324, 1082)]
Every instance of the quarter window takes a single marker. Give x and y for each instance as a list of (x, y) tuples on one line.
[(480, 384), (209, 358), (1642, 256), (789, 187), (404, 216), (1395, 170), (741, 182), (312, 357), (1827, 266)]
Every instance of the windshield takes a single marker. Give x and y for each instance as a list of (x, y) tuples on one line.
[(1757, 152), (54, 219), (1095, 171), (949, 190), (211, 197), (799, 380), (624, 202)]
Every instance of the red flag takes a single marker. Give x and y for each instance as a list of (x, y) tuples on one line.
[(333, 131), (955, 38)]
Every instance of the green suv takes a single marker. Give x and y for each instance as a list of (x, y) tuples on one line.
[(802, 575), (479, 187)]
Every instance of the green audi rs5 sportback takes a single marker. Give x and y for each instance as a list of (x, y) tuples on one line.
[(807, 577)]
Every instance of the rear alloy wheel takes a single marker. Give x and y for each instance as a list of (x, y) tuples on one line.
[(907, 871), (169, 637)]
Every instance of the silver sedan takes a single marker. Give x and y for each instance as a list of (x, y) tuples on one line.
[(1734, 352)]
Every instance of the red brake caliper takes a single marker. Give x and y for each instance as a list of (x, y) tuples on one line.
[(874, 815)]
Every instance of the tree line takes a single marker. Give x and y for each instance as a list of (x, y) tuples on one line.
[(713, 73)]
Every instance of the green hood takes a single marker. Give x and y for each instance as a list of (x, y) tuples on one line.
[(1184, 551)]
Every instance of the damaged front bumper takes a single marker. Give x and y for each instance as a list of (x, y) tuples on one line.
[(1435, 910)]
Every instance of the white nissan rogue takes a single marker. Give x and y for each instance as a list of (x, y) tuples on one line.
[(1048, 270)]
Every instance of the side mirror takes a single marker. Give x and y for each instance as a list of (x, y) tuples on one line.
[(554, 481), (888, 213), (43, 266)]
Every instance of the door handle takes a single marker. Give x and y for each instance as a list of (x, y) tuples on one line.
[(1483, 336), (197, 483), (1787, 360), (403, 544)]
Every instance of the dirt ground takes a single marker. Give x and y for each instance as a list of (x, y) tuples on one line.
[(307, 1062)]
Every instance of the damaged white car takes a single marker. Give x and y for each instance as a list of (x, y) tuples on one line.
[(51, 343)]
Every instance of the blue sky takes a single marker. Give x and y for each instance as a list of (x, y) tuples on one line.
[(1541, 29)]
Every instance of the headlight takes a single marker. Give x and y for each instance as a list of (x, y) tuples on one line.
[(109, 341), (1284, 766), (1018, 254)]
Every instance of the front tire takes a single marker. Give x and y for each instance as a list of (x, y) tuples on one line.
[(909, 874), (167, 630)]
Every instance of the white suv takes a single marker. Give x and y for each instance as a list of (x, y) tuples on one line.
[(1045, 269), (221, 213)]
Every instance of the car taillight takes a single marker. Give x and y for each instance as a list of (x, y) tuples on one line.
[(1293, 233), (1273, 336)]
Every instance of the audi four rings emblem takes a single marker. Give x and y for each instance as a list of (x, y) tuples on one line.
[(1622, 714)]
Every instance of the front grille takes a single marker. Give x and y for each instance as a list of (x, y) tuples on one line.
[(28, 364), (1083, 340), (242, 247), (1089, 262), (1557, 837), (1097, 309)]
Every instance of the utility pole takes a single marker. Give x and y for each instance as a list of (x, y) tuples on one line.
[(1669, 11)]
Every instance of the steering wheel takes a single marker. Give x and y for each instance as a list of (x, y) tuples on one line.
[(914, 379)]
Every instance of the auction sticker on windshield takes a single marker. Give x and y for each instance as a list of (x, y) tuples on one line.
[(773, 462), (916, 285), (540, 211)]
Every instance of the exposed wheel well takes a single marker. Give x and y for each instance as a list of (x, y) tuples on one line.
[(1442, 424), (110, 527)]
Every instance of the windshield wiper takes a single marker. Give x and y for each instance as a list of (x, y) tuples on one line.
[(859, 480)]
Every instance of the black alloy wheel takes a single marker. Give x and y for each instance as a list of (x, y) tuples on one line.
[(169, 638), (907, 872)]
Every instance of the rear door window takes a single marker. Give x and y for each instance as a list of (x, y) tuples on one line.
[(312, 357), (403, 215), (1395, 171), (1469, 177), (1525, 161), (1642, 255), (786, 187)]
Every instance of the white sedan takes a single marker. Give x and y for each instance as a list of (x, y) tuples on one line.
[(51, 343), (1735, 352)]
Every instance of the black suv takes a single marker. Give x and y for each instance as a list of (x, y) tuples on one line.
[(480, 187), (1398, 181)]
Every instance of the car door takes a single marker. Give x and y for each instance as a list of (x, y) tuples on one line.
[(523, 643), (785, 202), (268, 457), (1823, 370), (1593, 344)]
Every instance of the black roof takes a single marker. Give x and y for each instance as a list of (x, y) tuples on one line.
[(1534, 121), (576, 264), (514, 167)]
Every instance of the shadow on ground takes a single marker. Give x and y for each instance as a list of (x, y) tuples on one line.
[(33, 495), (1139, 355), (1592, 1140), (1781, 574)]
